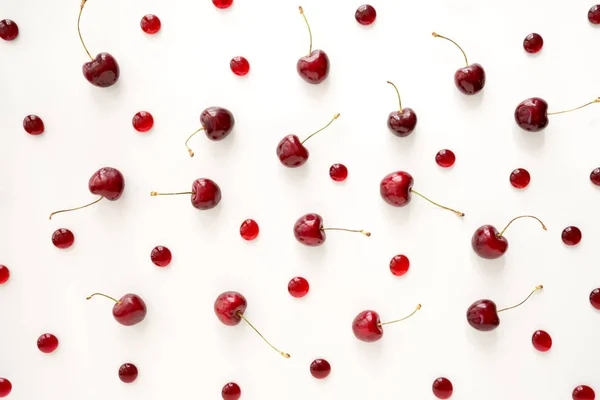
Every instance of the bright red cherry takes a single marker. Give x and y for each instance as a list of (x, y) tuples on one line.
[(47, 343), (533, 43), (142, 121), (298, 287), (594, 298), (309, 230), (239, 66), (150, 24), (442, 388), (338, 172), (571, 235), (488, 243), (249, 229), (231, 391), (541, 341), (230, 307), (483, 316), (33, 125), (9, 30), (291, 150), (402, 122), (532, 114), (594, 14), (595, 177), (520, 178), (583, 392), (4, 274), (128, 310), (313, 68), (107, 182), (470, 79), (399, 265), (365, 14), (128, 372), (160, 256), (217, 123), (205, 194), (222, 3), (367, 325), (320, 368), (445, 158), (63, 238), (5, 387)]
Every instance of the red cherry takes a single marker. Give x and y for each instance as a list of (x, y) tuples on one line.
[(222, 3), (365, 14), (541, 341), (249, 229), (150, 24), (33, 125), (205, 194), (9, 30), (309, 230), (231, 391), (5, 387), (298, 287), (142, 121), (594, 14), (313, 68), (239, 66), (160, 256), (338, 172), (571, 235), (217, 123), (583, 392), (367, 325), (320, 368), (4, 274), (533, 43), (488, 243), (399, 265), (128, 310), (47, 343), (442, 388), (532, 114), (594, 298), (402, 122), (445, 158), (595, 177), (63, 238), (128, 373), (520, 178)]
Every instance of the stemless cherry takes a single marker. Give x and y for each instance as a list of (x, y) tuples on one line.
[(298, 287), (142, 121), (239, 66), (63, 238), (571, 235), (442, 388), (128, 372), (150, 24), (4, 274), (520, 178), (160, 256), (222, 3), (249, 229), (338, 172), (5, 387), (595, 177), (231, 391), (594, 14), (541, 341), (445, 158), (595, 298), (365, 14), (9, 31), (583, 392), (320, 368), (33, 125), (47, 343), (399, 265), (533, 43)]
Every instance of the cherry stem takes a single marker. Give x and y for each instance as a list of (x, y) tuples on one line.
[(460, 214), (456, 44), (573, 109), (170, 194), (309, 31), (79, 30), (522, 216), (540, 287), (103, 295), (76, 208), (325, 127), (188, 139), (398, 93), (348, 230), (284, 354), (401, 319)]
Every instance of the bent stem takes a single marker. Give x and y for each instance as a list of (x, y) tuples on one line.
[(522, 216), (401, 319), (169, 194), (348, 230), (539, 287), (460, 214), (103, 295), (79, 30), (188, 139), (309, 31), (456, 44), (76, 208), (325, 127), (398, 93), (284, 354), (573, 109)]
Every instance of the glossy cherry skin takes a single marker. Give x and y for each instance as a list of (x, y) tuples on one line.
[(470, 80), (298, 287), (402, 123), (583, 392), (5, 387), (249, 230), (9, 30), (291, 152), (445, 158), (594, 14), (314, 68), (142, 121), (161, 256), (365, 14), (532, 114), (206, 194), (4, 274), (483, 316), (107, 182), (541, 340), (320, 368), (231, 391), (595, 176), (571, 236), (63, 238), (228, 305), (130, 310), (222, 4), (487, 243), (395, 188), (47, 343), (442, 388), (520, 178), (308, 230), (338, 172), (128, 373), (239, 66), (217, 122), (150, 24), (33, 125), (533, 43), (103, 71), (399, 265), (595, 298), (366, 326)]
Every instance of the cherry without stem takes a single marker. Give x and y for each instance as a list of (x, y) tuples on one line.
[(320, 368), (365, 14), (150, 24), (222, 4), (533, 43), (231, 391), (595, 298), (5, 387), (338, 172), (128, 373), (571, 235), (541, 340), (9, 30), (442, 388), (160, 256), (47, 343), (399, 265), (595, 177), (249, 230), (63, 238), (142, 121), (4, 274), (594, 14), (33, 125), (520, 178), (445, 158), (583, 392), (239, 66), (298, 287)]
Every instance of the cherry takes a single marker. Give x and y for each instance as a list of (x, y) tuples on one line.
[(4, 274), (533, 43), (541, 341), (239, 66), (583, 392), (142, 121), (63, 238), (160, 256), (249, 229), (402, 122), (309, 230), (313, 68), (445, 158), (205, 194), (291, 150), (230, 307), (33, 125), (47, 343), (9, 30), (594, 298), (217, 123), (222, 3), (483, 316), (298, 287), (442, 388), (396, 189), (107, 182), (5, 387), (150, 24), (532, 114), (470, 79), (595, 177), (128, 310), (594, 14), (399, 265), (128, 373), (571, 235), (320, 368), (365, 14), (488, 243), (338, 172), (520, 178), (231, 391), (367, 325)]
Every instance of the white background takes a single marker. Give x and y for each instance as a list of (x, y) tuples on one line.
[(181, 349)]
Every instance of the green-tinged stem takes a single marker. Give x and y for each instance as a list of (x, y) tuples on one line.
[(527, 298), (323, 128), (76, 208)]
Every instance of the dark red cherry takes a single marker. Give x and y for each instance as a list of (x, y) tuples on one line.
[(249, 229), (571, 235), (217, 122), (142, 121), (9, 30), (47, 343), (4, 274), (309, 230), (239, 66), (532, 114), (402, 122), (150, 24), (595, 177), (583, 392), (488, 243), (128, 373), (445, 158), (594, 297), (338, 172), (5, 387), (365, 14), (205, 194), (442, 388), (103, 71), (594, 14), (367, 325), (222, 3), (399, 265), (320, 368), (128, 310), (231, 391), (161, 256), (298, 287), (313, 68), (520, 178), (33, 125), (541, 340), (63, 238), (533, 43)]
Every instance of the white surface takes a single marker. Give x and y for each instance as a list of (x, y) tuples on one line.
[(181, 349)]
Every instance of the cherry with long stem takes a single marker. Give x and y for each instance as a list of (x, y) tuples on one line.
[(398, 93), (309, 31), (79, 30), (539, 287), (459, 213), (577, 108), (401, 319), (284, 354), (348, 230), (522, 216), (456, 44), (191, 153), (336, 116), (76, 208), (104, 295)]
